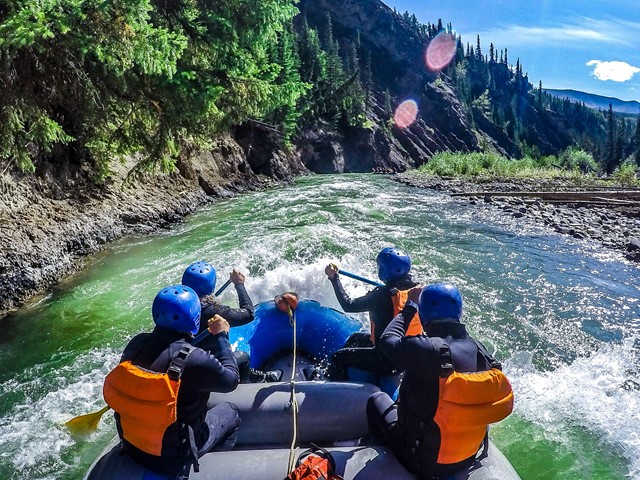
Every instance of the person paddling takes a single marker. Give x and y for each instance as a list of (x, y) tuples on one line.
[(440, 420), (160, 389), (382, 304), (201, 277)]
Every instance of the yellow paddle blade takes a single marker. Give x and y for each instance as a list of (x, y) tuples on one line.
[(84, 425)]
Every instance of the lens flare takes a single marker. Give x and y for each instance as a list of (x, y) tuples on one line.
[(441, 51), (406, 113)]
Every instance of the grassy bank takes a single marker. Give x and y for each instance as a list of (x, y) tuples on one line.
[(575, 166)]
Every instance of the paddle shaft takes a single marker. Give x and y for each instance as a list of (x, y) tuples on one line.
[(358, 277)]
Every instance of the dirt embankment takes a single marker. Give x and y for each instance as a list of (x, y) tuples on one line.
[(609, 216), (50, 221)]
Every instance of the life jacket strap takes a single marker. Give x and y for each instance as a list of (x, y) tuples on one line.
[(446, 360), (176, 367), (484, 354), (193, 449)]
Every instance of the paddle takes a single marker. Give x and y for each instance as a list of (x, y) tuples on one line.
[(358, 277), (83, 425)]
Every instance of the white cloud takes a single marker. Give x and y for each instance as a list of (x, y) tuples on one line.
[(614, 71), (575, 33)]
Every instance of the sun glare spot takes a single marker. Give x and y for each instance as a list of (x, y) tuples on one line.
[(440, 51), (406, 113)]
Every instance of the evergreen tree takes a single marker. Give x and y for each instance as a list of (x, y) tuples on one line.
[(479, 56), (610, 147), (539, 96), (388, 109), (334, 64), (492, 53), (637, 142), (367, 79), (289, 61), (310, 54), (620, 142)]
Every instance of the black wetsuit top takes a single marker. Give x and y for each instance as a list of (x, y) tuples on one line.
[(377, 302), (419, 358), (205, 371), (235, 316)]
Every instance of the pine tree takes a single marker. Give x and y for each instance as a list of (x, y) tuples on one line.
[(334, 64), (479, 56), (539, 96), (492, 53), (388, 109), (610, 147), (367, 79), (637, 142), (310, 54), (620, 141)]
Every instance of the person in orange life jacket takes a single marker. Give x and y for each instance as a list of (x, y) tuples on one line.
[(168, 429), (382, 304), (201, 277), (430, 430)]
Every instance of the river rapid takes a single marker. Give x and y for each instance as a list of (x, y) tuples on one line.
[(562, 315)]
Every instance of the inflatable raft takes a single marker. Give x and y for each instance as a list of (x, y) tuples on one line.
[(330, 414)]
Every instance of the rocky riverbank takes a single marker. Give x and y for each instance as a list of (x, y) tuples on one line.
[(613, 222), (50, 221)]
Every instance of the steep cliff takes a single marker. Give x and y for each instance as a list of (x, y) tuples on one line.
[(444, 122), (50, 221)]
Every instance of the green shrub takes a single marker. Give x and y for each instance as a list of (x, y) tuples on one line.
[(575, 158), (626, 175)]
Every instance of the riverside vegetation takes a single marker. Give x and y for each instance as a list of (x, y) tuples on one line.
[(562, 192)]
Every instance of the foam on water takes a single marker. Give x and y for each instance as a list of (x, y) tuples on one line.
[(33, 438), (599, 393)]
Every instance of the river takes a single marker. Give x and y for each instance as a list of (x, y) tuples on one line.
[(562, 315)]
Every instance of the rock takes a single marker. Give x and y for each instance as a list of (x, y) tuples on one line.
[(58, 221), (633, 245)]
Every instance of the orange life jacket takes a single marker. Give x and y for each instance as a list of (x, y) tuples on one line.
[(399, 299), (146, 401), (467, 404)]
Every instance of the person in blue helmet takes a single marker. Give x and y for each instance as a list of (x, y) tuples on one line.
[(202, 277), (451, 390), (382, 304), (160, 389)]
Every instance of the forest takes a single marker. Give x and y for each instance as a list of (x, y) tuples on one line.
[(94, 82)]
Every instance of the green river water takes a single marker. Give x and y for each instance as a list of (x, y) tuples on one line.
[(562, 315)]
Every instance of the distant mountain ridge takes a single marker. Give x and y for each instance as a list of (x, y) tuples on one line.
[(597, 102)]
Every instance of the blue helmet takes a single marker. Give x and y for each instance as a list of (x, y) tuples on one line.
[(392, 264), (177, 307), (440, 301), (200, 276)]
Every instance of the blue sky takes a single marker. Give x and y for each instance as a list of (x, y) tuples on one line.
[(587, 45)]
